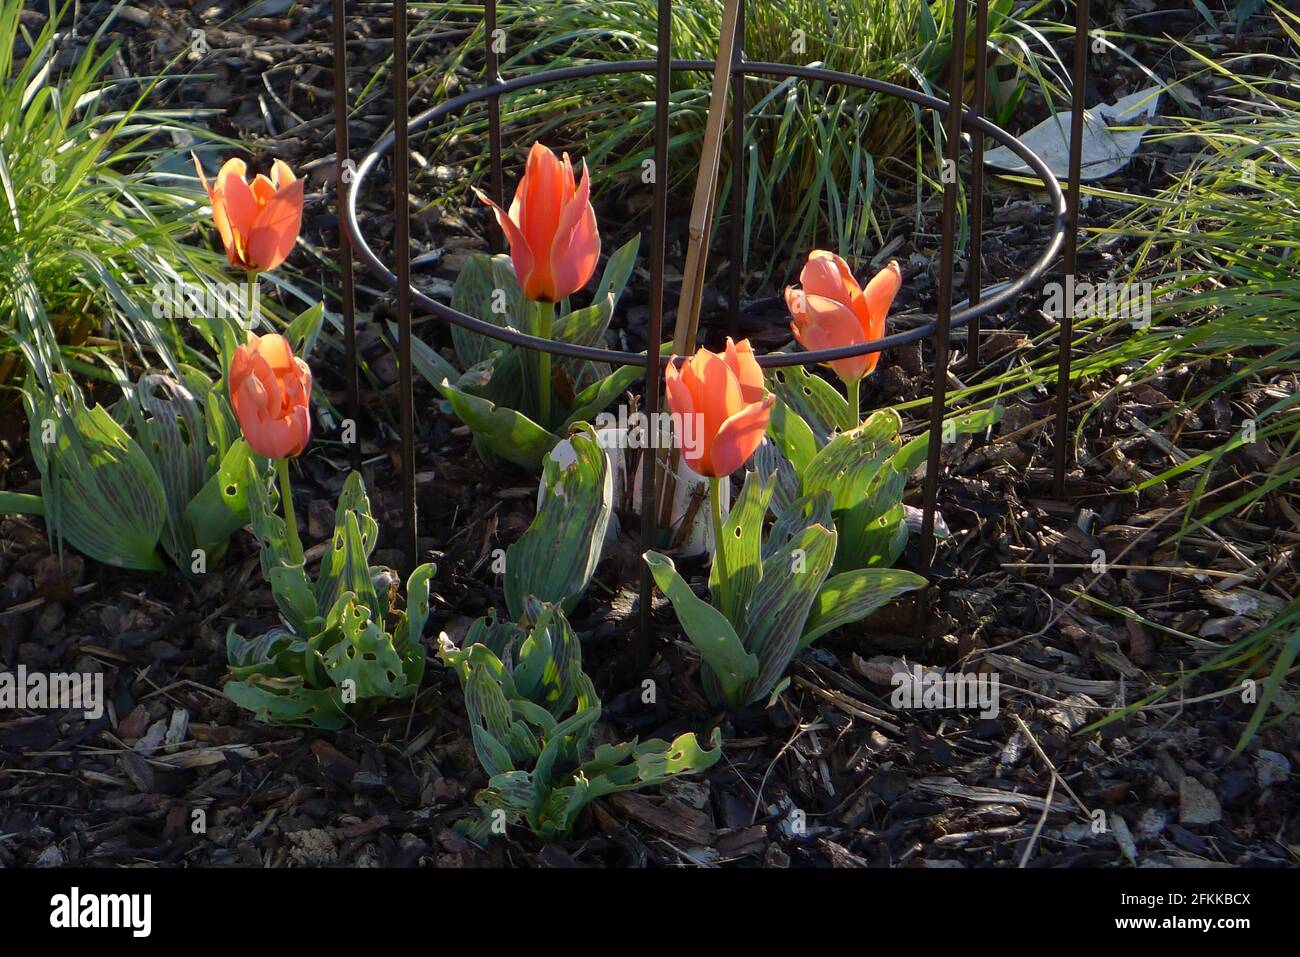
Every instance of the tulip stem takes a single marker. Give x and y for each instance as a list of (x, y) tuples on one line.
[(855, 401), (719, 552), (286, 496), (545, 313), (252, 299)]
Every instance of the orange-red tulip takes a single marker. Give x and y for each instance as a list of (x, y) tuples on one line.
[(258, 221), (551, 228), (725, 396), (270, 389), (831, 310)]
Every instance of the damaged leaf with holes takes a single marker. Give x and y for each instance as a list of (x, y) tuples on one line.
[(343, 647), (533, 714)]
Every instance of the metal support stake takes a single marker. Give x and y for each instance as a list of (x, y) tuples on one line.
[(943, 308), (650, 477), (402, 250), (1070, 258)]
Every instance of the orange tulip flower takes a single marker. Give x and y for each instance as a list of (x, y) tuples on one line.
[(258, 221), (551, 227), (725, 395), (270, 389), (831, 310)]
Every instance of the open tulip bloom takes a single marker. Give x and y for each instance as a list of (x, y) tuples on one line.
[(724, 397), (258, 221), (554, 244), (832, 311)]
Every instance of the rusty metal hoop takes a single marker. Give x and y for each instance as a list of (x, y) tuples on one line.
[(980, 301)]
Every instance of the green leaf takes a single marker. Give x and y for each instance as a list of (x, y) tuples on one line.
[(475, 293), (649, 763), (555, 558), (361, 652), (173, 436), (100, 491), (287, 701), (586, 326), (741, 544), (598, 396), (852, 596), (549, 660), (855, 467), (912, 455), (344, 568), (406, 638), (709, 631), (305, 328), (775, 616), (618, 270), (509, 434), (813, 399), (428, 362), (221, 506), (792, 435)]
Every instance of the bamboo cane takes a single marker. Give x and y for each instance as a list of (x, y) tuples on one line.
[(697, 250)]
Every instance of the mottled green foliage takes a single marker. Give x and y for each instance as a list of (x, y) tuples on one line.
[(779, 596), (553, 560), (532, 714), (343, 649)]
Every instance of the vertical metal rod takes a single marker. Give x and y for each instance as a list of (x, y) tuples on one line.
[(402, 251), (1078, 77), (342, 183), (974, 273), (943, 308), (736, 249), (496, 185), (650, 476)]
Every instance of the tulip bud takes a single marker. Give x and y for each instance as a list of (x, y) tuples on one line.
[(551, 228), (270, 390)]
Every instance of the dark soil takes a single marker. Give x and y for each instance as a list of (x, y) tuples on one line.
[(830, 775)]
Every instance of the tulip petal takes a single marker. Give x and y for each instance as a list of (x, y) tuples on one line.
[(276, 229), (241, 205), (879, 296), (740, 436), (826, 274), (689, 434), (827, 324), (520, 252), (576, 249), (277, 352), (739, 357), (540, 214), (281, 175)]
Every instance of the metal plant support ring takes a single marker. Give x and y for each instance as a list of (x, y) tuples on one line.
[(981, 302), (1005, 293)]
